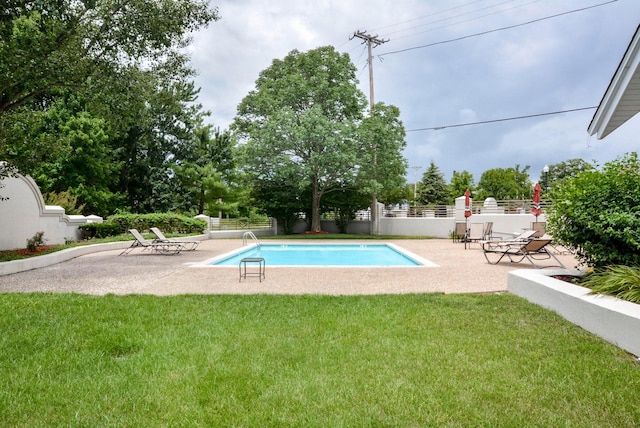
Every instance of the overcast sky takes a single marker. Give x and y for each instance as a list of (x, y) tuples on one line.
[(553, 64)]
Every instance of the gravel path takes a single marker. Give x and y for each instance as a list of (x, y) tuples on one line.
[(458, 270)]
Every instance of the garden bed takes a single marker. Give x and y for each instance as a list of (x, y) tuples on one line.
[(25, 252)]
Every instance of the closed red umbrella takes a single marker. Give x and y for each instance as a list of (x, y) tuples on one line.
[(467, 214), (536, 210), (467, 203)]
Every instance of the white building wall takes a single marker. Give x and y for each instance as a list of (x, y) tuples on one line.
[(23, 213)]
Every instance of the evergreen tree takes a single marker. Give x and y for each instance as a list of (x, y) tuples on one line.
[(433, 189)]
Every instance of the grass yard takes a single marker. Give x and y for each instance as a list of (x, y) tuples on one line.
[(312, 361)]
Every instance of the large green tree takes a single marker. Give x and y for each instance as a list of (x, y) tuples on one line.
[(505, 183), (279, 196), (382, 165), (121, 153), (206, 173), (561, 171), (83, 166), (155, 131), (460, 182), (345, 203), (87, 46), (47, 45), (300, 121)]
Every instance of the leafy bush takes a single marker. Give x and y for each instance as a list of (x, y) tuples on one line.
[(619, 281), (35, 241), (597, 214), (100, 230), (168, 223), (120, 223)]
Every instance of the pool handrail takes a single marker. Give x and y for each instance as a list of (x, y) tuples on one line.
[(249, 234)]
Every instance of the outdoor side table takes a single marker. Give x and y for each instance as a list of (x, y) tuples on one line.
[(243, 267)]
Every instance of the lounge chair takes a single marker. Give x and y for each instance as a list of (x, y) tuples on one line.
[(156, 247), (188, 245), (522, 237), (516, 251), (540, 228)]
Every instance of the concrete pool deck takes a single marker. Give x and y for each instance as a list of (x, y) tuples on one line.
[(459, 270)]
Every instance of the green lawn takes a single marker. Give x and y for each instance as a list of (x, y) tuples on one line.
[(305, 361)]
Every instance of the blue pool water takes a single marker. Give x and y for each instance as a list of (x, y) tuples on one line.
[(323, 255)]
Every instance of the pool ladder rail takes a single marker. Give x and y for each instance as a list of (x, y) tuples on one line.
[(247, 235)]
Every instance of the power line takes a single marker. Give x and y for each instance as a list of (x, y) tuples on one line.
[(497, 29), (428, 16), (458, 22), (437, 128), (455, 17)]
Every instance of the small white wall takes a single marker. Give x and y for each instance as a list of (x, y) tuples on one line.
[(23, 213), (417, 226), (504, 225)]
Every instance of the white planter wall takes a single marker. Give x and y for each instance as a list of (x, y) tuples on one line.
[(617, 321)]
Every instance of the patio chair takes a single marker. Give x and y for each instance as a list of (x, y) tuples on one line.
[(156, 247), (487, 234), (474, 234), (516, 251), (540, 227), (460, 231), (188, 245)]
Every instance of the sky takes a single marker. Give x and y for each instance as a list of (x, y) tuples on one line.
[(443, 63)]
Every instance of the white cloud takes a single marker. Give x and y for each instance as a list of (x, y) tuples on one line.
[(555, 64)]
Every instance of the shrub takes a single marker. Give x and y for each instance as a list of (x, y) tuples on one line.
[(597, 214), (100, 230), (120, 223), (35, 241), (171, 223)]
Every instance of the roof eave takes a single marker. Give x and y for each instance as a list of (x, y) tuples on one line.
[(609, 108)]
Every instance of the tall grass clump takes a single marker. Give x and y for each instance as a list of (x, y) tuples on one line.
[(619, 281)]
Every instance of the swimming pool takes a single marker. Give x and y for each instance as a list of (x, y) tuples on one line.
[(326, 255)]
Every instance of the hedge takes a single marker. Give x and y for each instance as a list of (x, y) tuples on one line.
[(120, 223), (99, 230)]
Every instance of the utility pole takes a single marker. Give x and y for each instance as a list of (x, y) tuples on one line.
[(415, 183), (372, 42)]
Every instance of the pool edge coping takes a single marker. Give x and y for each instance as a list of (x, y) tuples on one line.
[(423, 262)]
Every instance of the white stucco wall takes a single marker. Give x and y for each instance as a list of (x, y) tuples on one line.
[(615, 320), (23, 213)]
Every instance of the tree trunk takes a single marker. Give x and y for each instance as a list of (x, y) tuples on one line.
[(315, 207)]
